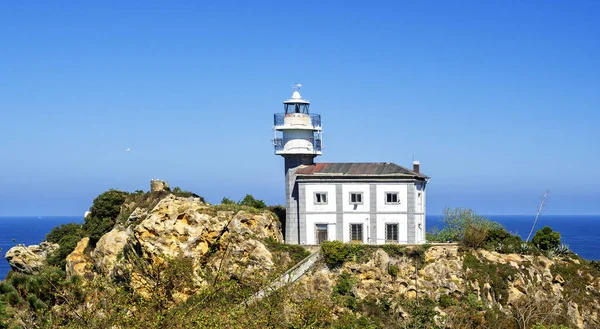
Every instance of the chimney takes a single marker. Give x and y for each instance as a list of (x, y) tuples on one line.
[(416, 167)]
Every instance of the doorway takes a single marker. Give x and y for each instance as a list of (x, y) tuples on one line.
[(321, 233)]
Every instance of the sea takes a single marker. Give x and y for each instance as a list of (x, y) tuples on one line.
[(581, 233)]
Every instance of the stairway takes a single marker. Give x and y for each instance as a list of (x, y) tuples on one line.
[(288, 277)]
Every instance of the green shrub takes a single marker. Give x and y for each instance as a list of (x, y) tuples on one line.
[(57, 233), (546, 239), (393, 270), (334, 253), (447, 300), (496, 274), (227, 201), (296, 252), (457, 222), (474, 235), (67, 236), (502, 241), (344, 284), (66, 244), (177, 191), (250, 201), (4, 317), (103, 214)]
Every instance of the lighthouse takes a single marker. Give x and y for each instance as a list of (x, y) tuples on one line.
[(298, 140), (297, 132), (360, 202)]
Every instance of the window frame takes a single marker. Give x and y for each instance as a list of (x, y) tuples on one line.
[(362, 232), (397, 194), (321, 203), (362, 199), (397, 240)]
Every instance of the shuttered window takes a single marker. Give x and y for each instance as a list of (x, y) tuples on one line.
[(356, 232), (391, 232)]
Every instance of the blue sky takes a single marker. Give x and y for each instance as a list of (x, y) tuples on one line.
[(498, 100)]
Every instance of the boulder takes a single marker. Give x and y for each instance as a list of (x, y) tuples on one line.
[(109, 249), (188, 227), (29, 259), (78, 262)]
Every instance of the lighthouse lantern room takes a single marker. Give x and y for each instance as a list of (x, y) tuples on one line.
[(298, 132)]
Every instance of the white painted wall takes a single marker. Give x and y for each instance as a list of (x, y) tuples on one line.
[(312, 220), (402, 190), (356, 219), (401, 219), (310, 190), (347, 188)]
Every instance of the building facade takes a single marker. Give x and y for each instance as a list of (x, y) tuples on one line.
[(373, 203)]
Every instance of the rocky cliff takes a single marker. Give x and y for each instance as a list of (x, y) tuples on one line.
[(168, 255)]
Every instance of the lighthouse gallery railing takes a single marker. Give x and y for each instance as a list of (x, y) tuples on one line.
[(279, 143), (315, 119)]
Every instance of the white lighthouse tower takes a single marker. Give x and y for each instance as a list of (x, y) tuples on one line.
[(297, 132), (298, 140)]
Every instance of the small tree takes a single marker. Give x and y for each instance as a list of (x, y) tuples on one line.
[(546, 239), (250, 201), (460, 223), (104, 211), (227, 200)]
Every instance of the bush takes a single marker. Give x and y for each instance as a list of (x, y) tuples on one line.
[(475, 236), (177, 191), (502, 241), (458, 221), (66, 244), (496, 274), (446, 301), (393, 270), (296, 252), (227, 201), (546, 239), (250, 201), (3, 315), (57, 233), (103, 214)]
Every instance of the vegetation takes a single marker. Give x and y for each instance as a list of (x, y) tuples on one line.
[(463, 225), (546, 239), (103, 214), (296, 253), (336, 253), (497, 275)]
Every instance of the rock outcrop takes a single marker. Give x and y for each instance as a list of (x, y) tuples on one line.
[(531, 283), (29, 259), (78, 262)]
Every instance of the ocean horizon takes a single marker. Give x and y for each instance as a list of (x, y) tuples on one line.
[(578, 231)]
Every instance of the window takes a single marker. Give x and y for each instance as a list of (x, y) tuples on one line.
[(419, 198), (391, 198), (320, 197), (391, 232), (356, 198), (356, 232)]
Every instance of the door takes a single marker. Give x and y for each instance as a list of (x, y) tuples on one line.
[(321, 233)]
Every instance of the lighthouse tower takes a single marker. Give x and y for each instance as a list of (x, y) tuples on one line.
[(298, 140), (297, 132)]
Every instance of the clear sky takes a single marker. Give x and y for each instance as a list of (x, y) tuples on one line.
[(498, 100)]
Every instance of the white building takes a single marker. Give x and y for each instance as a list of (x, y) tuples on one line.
[(372, 203)]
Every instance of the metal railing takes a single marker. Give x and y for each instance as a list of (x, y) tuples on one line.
[(279, 143), (315, 119)]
